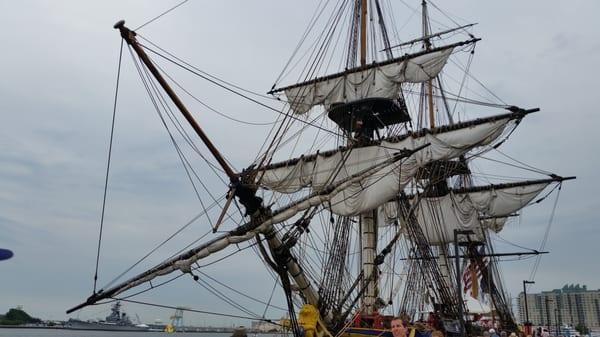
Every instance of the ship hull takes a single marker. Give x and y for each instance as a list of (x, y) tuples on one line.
[(372, 332), (366, 332), (81, 325)]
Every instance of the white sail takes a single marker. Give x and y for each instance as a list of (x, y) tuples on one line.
[(440, 216), (504, 201), (494, 224), (379, 81), (318, 172)]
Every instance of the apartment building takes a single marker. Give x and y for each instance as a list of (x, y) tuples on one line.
[(572, 305)]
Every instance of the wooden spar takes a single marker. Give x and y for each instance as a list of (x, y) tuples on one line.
[(363, 32), (482, 255), (373, 65), (427, 42), (554, 178), (516, 115), (429, 37), (430, 100), (129, 37), (368, 234), (230, 196), (465, 190)]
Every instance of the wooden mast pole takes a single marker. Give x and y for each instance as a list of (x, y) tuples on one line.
[(129, 37), (430, 100), (368, 220), (427, 42), (363, 32)]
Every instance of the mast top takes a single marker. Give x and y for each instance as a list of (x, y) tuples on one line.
[(119, 24)]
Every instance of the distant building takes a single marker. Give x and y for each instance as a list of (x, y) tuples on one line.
[(572, 305)]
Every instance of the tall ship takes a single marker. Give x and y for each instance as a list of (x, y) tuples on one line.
[(115, 321), (365, 201)]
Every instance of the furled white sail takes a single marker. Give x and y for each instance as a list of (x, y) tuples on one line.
[(379, 81), (387, 182), (321, 170), (504, 201), (439, 217), (480, 210), (318, 172), (494, 224)]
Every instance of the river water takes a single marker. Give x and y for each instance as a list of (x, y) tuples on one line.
[(82, 333)]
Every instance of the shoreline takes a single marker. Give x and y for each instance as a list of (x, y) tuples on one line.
[(66, 328)]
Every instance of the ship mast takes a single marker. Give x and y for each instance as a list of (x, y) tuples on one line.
[(443, 261), (363, 32), (427, 43), (368, 220)]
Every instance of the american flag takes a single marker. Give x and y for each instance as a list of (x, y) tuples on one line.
[(473, 280)]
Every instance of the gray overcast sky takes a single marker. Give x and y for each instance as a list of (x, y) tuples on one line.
[(58, 68)]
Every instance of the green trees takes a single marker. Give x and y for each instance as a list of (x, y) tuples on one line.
[(17, 317)]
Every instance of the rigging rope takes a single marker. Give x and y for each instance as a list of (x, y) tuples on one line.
[(225, 298), (229, 89), (479, 82), (524, 164), (309, 70), (239, 292), (161, 15), (174, 120), (464, 80), (112, 129), (210, 107), (509, 164), (310, 26), (197, 311), (449, 18), (270, 298), (205, 210), (154, 250), (160, 98), (461, 99), (513, 244), (215, 79), (206, 73), (184, 161), (417, 11), (546, 234)]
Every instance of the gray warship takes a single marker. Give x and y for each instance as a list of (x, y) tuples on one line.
[(116, 321)]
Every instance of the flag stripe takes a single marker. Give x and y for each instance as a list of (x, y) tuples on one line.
[(472, 278)]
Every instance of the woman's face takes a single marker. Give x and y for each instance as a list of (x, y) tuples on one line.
[(398, 328)]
